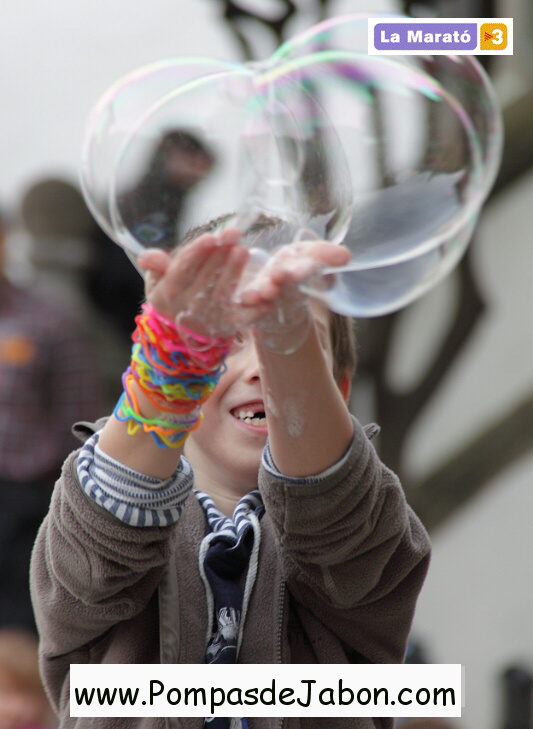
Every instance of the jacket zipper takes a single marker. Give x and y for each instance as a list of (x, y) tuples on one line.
[(279, 626)]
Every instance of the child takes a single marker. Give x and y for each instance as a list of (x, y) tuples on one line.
[(322, 560)]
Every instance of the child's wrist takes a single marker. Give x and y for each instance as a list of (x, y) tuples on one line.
[(146, 405), (167, 381), (168, 430), (285, 329), (174, 341)]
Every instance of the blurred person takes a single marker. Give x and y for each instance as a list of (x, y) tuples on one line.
[(57, 225), (66, 261), (47, 382), (153, 208), (23, 702), (113, 286)]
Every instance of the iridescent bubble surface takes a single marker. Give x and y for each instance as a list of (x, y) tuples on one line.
[(387, 220), (267, 160), (392, 156), (410, 182), (462, 76), (118, 111)]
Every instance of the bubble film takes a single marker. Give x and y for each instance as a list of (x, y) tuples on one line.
[(115, 115), (409, 186), (265, 159), (392, 156), (402, 209), (461, 76)]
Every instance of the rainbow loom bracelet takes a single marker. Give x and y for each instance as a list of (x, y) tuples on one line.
[(167, 433), (172, 375)]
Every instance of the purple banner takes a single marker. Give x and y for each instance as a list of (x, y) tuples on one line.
[(452, 37)]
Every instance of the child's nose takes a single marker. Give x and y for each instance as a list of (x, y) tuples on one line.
[(251, 366)]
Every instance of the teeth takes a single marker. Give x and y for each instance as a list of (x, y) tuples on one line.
[(248, 417)]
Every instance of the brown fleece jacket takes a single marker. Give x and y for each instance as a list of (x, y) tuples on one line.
[(341, 563)]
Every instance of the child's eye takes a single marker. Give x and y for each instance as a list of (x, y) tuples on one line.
[(238, 342)]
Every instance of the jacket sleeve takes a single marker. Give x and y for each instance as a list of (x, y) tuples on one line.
[(90, 570), (353, 552)]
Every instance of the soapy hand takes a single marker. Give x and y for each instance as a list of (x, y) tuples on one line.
[(290, 266), (209, 288), (278, 283), (195, 284)]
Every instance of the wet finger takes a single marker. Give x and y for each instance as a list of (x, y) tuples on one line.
[(231, 236), (189, 260), (210, 271), (327, 253), (230, 276), (154, 259)]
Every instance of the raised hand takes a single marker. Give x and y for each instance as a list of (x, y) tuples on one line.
[(283, 327), (200, 286), (290, 266), (195, 284)]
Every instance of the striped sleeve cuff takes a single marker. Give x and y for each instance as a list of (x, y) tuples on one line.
[(270, 467), (135, 499)]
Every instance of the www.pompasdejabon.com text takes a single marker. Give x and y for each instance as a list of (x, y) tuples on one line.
[(217, 697), (173, 691)]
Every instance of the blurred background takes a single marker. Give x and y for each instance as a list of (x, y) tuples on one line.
[(449, 379)]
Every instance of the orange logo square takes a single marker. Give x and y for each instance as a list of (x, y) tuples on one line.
[(493, 37)]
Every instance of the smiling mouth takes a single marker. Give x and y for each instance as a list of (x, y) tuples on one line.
[(248, 416)]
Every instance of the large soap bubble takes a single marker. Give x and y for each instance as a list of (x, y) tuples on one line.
[(265, 162), (393, 156), (408, 186), (115, 115), (398, 216), (461, 75)]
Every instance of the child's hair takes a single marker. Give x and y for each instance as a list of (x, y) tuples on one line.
[(342, 328)]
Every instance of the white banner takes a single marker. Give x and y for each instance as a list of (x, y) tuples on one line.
[(247, 690)]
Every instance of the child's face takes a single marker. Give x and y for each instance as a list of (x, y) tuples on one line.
[(226, 449)]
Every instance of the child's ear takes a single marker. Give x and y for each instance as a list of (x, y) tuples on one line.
[(345, 385)]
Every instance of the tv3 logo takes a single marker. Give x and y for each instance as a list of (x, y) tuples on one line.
[(493, 37)]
